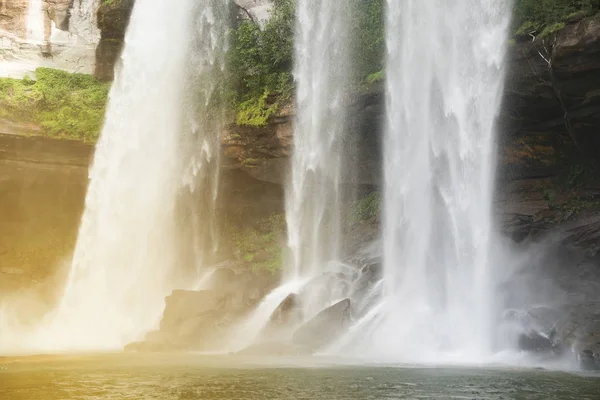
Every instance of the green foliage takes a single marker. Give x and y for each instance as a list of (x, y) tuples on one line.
[(260, 246), (368, 208), (550, 29), (376, 77), (578, 176), (261, 63), (368, 35), (261, 60), (545, 16), (66, 105), (256, 111), (549, 196), (570, 209)]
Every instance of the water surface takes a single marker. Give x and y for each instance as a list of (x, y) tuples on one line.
[(219, 377)]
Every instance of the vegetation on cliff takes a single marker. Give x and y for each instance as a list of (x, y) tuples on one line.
[(66, 105), (367, 208), (260, 65), (261, 59), (542, 17), (259, 246)]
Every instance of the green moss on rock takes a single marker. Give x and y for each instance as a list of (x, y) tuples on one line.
[(65, 105)]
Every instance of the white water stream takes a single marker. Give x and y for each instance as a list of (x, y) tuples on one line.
[(314, 191), (445, 74), (35, 21), (154, 171)]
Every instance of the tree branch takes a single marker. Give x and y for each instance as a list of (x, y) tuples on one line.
[(568, 125), (247, 12)]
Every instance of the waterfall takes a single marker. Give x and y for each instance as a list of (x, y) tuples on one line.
[(445, 70), (35, 21), (314, 192), (154, 172), (314, 188)]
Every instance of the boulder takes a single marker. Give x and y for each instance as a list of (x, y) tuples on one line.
[(324, 289), (586, 344), (183, 305), (191, 321), (288, 311), (324, 327), (374, 268), (223, 279), (537, 342), (369, 275), (588, 354)]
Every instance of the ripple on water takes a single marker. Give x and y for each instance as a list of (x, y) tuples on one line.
[(231, 378)]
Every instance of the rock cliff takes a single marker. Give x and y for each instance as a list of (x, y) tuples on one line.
[(113, 19), (551, 112), (44, 37), (549, 120), (13, 17)]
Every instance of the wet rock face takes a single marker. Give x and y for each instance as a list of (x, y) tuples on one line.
[(113, 19), (59, 12), (13, 15), (589, 353), (51, 39), (287, 312), (536, 342), (325, 327), (535, 137), (566, 277), (183, 305), (202, 320), (42, 191), (262, 152), (551, 110)]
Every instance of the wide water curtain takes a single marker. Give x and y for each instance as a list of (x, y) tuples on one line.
[(445, 66), (157, 148), (314, 196)]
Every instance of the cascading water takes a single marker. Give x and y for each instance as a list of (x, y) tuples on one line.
[(158, 148), (445, 70), (35, 21), (314, 193)]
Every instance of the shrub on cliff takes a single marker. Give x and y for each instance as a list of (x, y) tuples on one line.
[(545, 16), (368, 32), (260, 246), (261, 62), (66, 105)]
